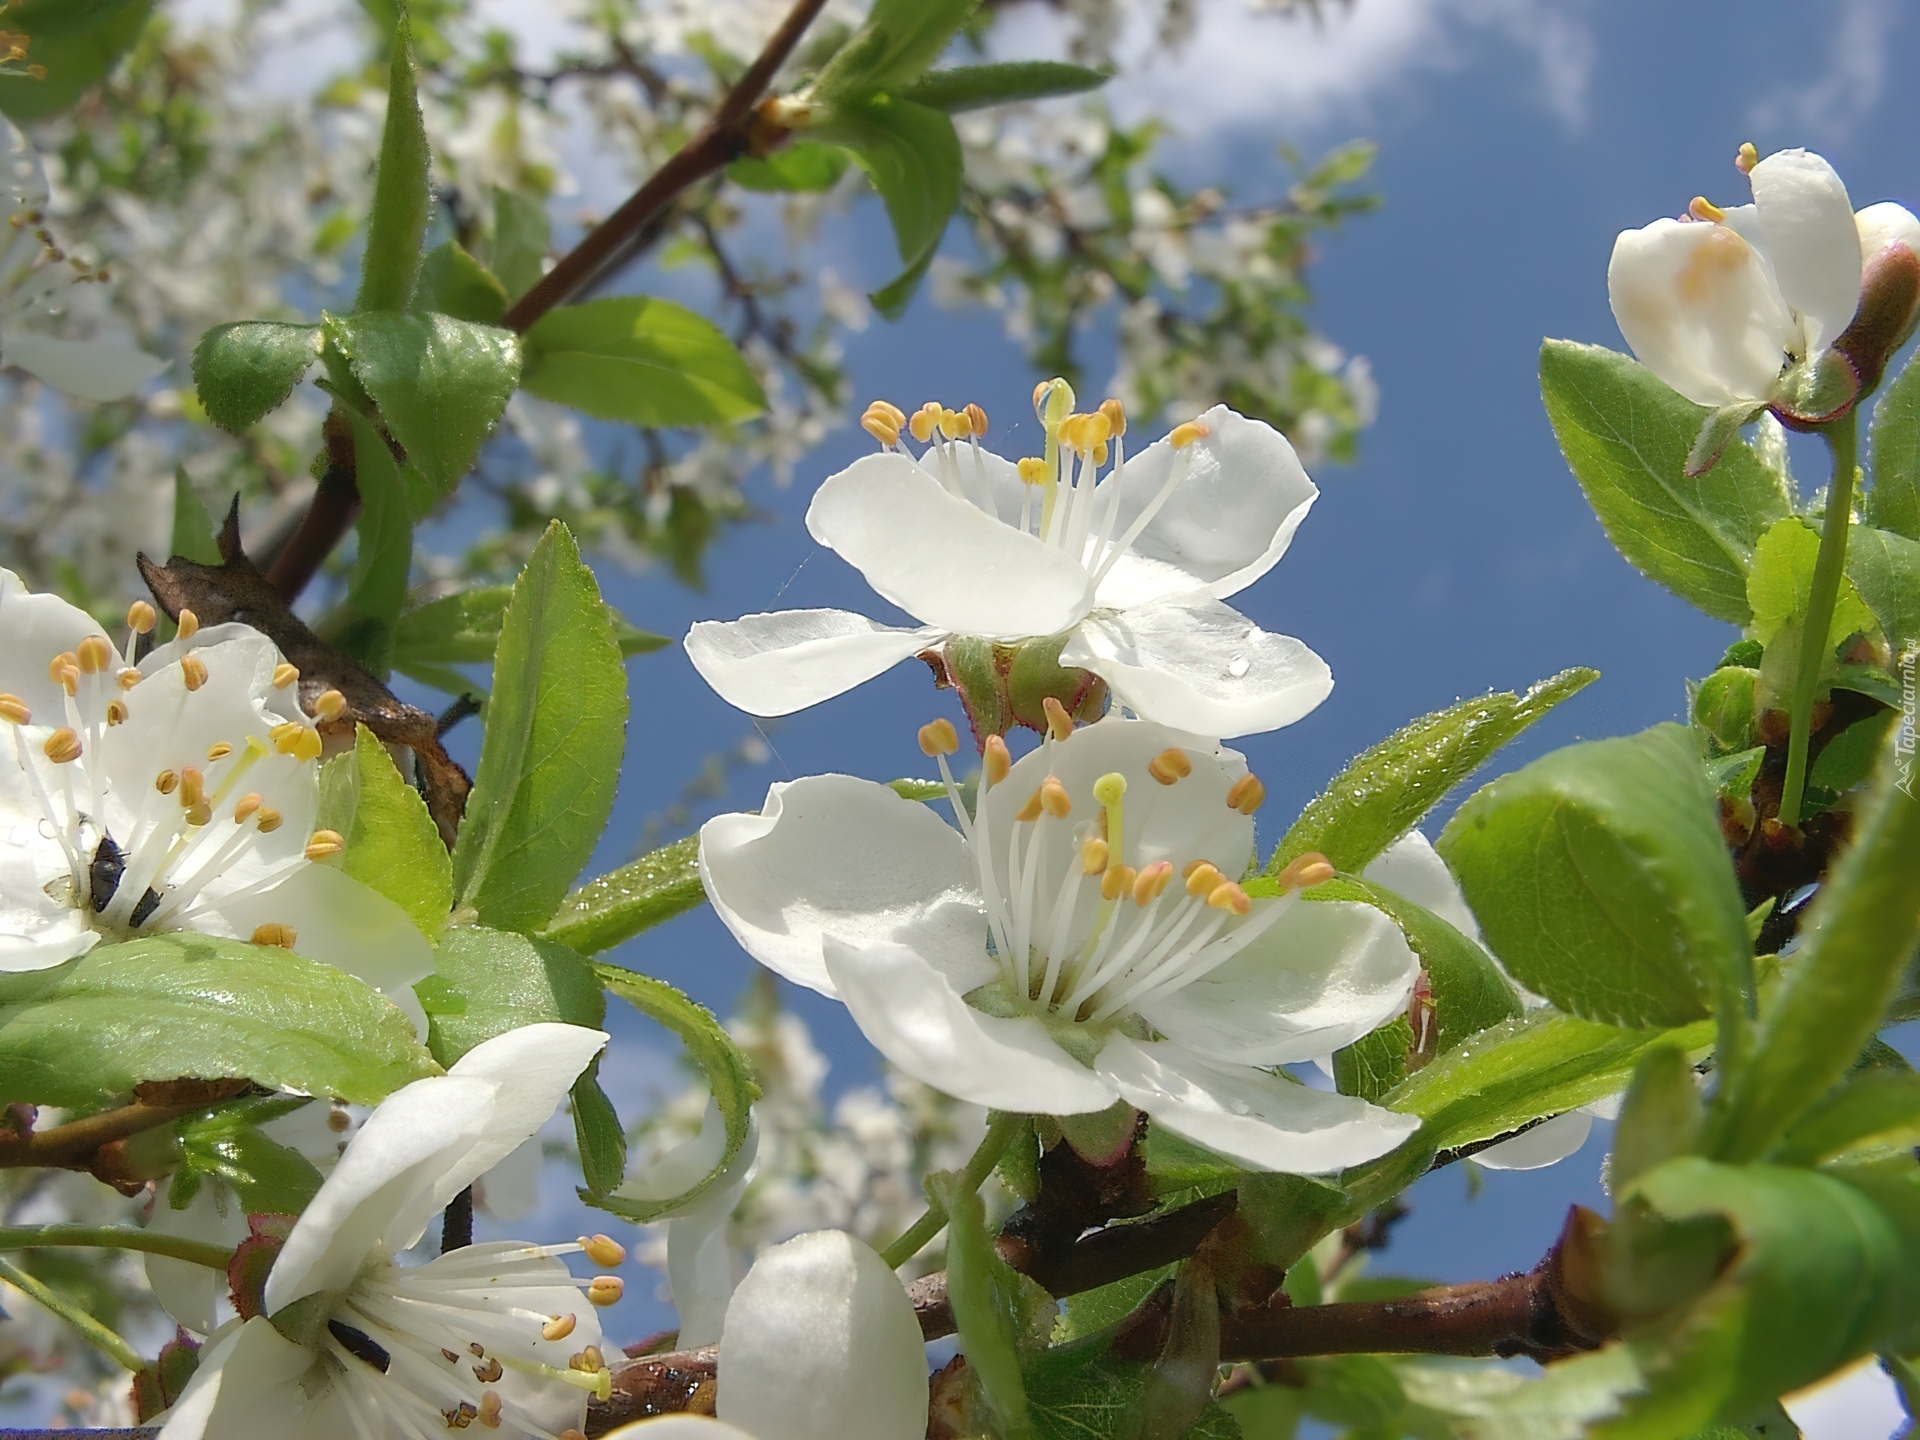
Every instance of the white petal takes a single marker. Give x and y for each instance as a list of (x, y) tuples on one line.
[(1258, 1120), (1699, 307), (511, 1189), (1194, 663), (1547, 1143), (95, 370), (1321, 976), (191, 1293), (821, 1343), (34, 629), (786, 660), (1886, 224), (247, 1386), (699, 1261), (915, 1017), (1811, 239), (832, 855), (679, 1427), (1227, 524), (1858, 1402), (384, 1182), (1413, 868), (945, 562)]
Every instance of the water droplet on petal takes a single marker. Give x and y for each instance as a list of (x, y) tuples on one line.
[(1238, 666)]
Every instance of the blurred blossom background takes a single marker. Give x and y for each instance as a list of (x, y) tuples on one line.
[(1357, 220)]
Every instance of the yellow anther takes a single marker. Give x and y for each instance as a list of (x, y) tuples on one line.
[(603, 1250), (1054, 798), (976, 420), (1116, 416), (141, 617), (1185, 435), (285, 735), (1030, 810), (558, 1328), (1109, 788), (95, 654), (938, 737), (890, 411), (1096, 430), (1229, 896), (880, 428), (1170, 765), (324, 843), (69, 679), (589, 1359), (1093, 855), (62, 747), (606, 1290), (274, 933), (1306, 871), (1245, 794), (1746, 158), (1099, 454), (490, 1402), (188, 624), (269, 820), (1034, 471), (284, 674), (1701, 208), (193, 670), (954, 425), (1059, 723), (1070, 431), (127, 678), (199, 813), (308, 745), (166, 782), (1203, 879), (58, 666), (1151, 881), (1118, 881), (924, 421), (116, 712), (14, 710), (243, 809), (329, 707), (219, 750), (996, 761), (193, 786)]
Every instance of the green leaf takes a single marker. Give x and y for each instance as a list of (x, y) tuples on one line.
[(1780, 585), (1571, 1395), (1388, 788), (453, 283), (182, 1005), (1848, 758), (1894, 501), (488, 982), (805, 165), (1660, 1118), (192, 530), (555, 734), (729, 1078), (1009, 82), (1873, 1109), (1374, 1063), (1885, 568), (1092, 1311), (912, 156), (986, 1298), (225, 1142), (392, 845), (1726, 706), (440, 383), (639, 895), (1732, 776), (245, 371), (464, 628), (1525, 1070), (377, 586), (1627, 437), (1601, 881), (397, 222), (1081, 1391), (1858, 938), (78, 42), (641, 361), (520, 239), (900, 39)]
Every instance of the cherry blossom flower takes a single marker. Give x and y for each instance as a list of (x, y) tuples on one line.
[(351, 1342), (1132, 567), (178, 792), (1076, 941)]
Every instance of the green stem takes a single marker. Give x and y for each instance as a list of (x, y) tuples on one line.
[(89, 1329), (114, 1237), (1001, 1128), (1828, 570)]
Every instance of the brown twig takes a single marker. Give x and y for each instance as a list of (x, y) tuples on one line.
[(602, 250), (95, 1143)]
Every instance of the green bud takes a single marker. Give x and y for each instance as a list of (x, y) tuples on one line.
[(1724, 706)]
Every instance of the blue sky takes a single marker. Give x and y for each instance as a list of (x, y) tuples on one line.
[(1517, 137)]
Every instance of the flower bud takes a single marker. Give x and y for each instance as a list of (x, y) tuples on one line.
[(1889, 299)]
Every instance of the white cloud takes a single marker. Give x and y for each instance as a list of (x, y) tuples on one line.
[(1827, 107)]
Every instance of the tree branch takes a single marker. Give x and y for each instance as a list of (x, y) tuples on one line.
[(605, 248), (95, 1143)]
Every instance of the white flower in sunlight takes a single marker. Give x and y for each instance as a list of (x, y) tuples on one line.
[(36, 277), (498, 1333), (820, 1343), (1132, 567), (178, 793), (1028, 961), (1720, 303)]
